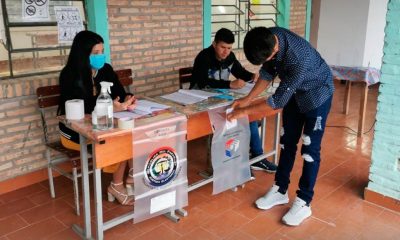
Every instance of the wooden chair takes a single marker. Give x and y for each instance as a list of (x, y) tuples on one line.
[(125, 77), (185, 74), (48, 99)]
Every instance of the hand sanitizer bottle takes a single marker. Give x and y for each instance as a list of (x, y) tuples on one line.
[(94, 119), (104, 107)]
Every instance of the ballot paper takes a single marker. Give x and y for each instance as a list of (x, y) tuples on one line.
[(232, 123)]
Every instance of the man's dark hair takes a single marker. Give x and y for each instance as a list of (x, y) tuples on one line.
[(258, 45), (224, 35)]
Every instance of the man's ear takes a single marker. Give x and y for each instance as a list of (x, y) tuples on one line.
[(276, 47), (214, 44)]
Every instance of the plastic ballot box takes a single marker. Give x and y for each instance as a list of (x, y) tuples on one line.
[(160, 165)]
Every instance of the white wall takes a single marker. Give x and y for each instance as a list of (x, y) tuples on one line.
[(375, 33), (314, 24), (342, 31)]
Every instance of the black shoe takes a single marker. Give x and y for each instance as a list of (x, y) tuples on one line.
[(264, 165)]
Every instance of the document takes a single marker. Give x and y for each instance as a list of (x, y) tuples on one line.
[(187, 97), (244, 90), (232, 123), (127, 114), (198, 93), (145, 106)]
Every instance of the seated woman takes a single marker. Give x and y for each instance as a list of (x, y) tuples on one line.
[(80, 79)]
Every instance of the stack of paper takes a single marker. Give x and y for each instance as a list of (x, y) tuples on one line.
[(186, 97)]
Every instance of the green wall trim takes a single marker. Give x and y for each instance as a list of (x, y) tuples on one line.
[(308, 20), (384, 177), (206, 23), (283, 18), (97, 19)]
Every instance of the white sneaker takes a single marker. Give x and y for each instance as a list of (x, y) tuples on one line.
[(297, 213), (272, 198)]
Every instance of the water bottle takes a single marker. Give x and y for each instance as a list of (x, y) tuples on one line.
[(104, 107), (94, 119)]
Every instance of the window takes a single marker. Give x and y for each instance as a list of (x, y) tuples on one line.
[(240, 16), (31, 46)]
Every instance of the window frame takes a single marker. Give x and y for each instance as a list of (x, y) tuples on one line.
[(242, 18), (9, 44)]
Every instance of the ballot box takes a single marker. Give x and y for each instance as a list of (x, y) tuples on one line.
[(160, 165)]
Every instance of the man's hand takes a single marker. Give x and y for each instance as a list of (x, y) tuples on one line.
[(241, 103), (236, 113), (128, 104), (237, 84)]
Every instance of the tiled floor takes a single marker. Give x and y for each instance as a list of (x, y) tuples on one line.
[(339, 211)]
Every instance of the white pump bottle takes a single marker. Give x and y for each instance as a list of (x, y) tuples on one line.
[(104, 107)]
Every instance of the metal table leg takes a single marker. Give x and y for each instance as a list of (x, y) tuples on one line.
[(85, 233)]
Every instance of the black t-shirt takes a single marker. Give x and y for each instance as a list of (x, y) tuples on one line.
[(72, 87)]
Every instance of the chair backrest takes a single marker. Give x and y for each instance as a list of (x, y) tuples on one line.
[(125, 77), (185, 74), (48, 97)]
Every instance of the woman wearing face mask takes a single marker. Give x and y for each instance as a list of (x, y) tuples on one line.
[(80, 79)]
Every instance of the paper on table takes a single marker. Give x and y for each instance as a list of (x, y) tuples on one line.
[(198, 93), (244, 90), (187, 97), (145, 106), (182, 98), (127, 114)]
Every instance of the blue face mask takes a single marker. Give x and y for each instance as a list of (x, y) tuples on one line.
[(97, 60)]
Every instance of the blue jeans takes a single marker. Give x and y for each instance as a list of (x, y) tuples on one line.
[(310, 126), (256, 148)]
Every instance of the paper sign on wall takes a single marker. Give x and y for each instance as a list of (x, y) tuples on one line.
[(69, 23), (35, 10)]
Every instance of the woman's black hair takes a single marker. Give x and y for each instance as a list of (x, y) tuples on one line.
[(258, 45), (81, 48), (76, 77)]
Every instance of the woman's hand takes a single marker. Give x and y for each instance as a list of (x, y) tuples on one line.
[(128, 104)]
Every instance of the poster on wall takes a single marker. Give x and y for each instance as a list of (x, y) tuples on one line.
[(69, 23), (35, 10)]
